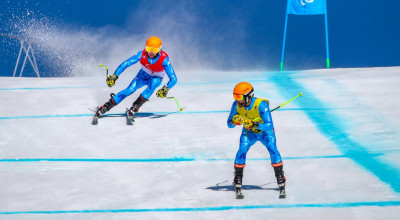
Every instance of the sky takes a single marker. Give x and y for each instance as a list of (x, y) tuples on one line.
[(222, 35)]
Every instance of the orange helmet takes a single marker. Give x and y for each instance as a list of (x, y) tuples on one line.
[(153, 44), (243, 90)]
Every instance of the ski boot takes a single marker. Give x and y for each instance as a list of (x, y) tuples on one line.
[(281, 180), (237, 182), (135, 107), (103, 109)]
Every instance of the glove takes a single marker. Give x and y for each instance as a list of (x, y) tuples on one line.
[(111, 80), (237, 120), (162, 93), (249, 124)]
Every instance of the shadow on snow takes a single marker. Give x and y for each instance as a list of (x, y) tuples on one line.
[(219, 187)]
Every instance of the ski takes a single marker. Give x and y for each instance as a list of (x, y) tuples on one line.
[(95, 119), (282, 192), (238, 191), (129, 118)]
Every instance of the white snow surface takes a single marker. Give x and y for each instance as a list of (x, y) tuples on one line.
[(179, 165)]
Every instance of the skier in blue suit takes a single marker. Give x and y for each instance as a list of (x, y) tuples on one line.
[(155, 64), (256, 118)]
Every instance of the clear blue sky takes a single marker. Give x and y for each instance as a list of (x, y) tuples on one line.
[(237, 34)]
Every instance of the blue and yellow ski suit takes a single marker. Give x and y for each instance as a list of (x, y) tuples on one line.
[(143, 78), (265, 133)]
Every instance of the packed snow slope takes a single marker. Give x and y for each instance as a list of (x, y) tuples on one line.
[(340, 144)]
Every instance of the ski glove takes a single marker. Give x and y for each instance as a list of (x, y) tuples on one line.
[(162, 93), (111, 80), (250, 125), (237, 120)]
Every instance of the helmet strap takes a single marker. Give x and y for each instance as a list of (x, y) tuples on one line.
[(247, 100), (248, 97)]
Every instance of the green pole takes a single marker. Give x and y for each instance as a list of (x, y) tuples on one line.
[(300, 94), (181, 109)]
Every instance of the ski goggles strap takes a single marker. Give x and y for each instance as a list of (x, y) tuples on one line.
[(152, 49)]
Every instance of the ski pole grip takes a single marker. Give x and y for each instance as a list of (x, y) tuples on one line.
[(106, 67)]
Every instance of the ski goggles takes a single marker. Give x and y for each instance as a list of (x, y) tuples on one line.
[(152, 49), (237, 97)]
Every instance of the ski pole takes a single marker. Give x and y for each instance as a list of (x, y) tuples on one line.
[(176, 102), (300, 94), (101, 65)]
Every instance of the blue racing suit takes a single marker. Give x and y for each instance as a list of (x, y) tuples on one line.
[(265, 134), (143, 78)]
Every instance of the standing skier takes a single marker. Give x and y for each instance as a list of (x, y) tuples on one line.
[(255, 115), (155, 64)]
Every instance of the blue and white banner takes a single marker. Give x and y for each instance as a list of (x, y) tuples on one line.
[(306, 7)]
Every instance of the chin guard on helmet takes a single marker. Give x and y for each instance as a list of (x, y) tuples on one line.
[(248, 96)]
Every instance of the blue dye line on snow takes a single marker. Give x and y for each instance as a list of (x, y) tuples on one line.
[(174, 159), (47, 88), (143, 114), (217, 208), (140, 114), (233, 82), (47, 116), (178, 159), (296, 158), (329, 124)]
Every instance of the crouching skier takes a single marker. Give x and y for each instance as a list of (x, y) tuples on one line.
[(155, 64), (255, 115)]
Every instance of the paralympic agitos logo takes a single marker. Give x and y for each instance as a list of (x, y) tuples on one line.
[(304, 2)]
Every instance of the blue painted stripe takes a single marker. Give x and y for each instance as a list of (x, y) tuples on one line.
[(332, 127), (177, 159), (217, 208), (174, 159), (101, 86), (46, 116), (47, 88), (144, 114), (140, 114), (233, 82), (298, 158)]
